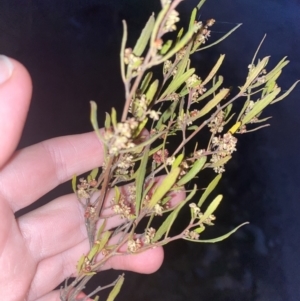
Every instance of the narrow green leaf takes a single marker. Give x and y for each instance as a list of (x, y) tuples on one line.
[(228, 110), (140, 127), (211, 208), (122, 51), (116, 289), (269, 75), (158, 22), (191, 174), (177, 161), (181, 67), (235, 127), (260, 105), (93, 251), (114, 117), (101, 229), (142, 42), (212, 185), (104, 239), (107, 122), (93, 173), (94, 121), (221, 39), (214, 70), (80, 264), (166, 46), (220, 238), (152, 91), (212, 90), (168, 222), (74, 181), (176, 83), (253, 74), (166, 114), (246, 104), (178, 46), (200, 4), (140, 180), (212, 103), (96, 298), (220, 162), (164, 187), (146, 82), (193, 17), (284, 95)]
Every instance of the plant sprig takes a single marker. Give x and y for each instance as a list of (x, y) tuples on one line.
[(138, 146)]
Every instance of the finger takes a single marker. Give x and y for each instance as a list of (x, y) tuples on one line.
[(39, 168), (15, 95), (59, 267), (55, 296), (59, 225)]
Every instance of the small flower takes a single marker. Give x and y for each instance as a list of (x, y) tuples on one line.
[(160, 156), (134, 245), (170, 160), (172, 19), (154, 114), (158, 209)]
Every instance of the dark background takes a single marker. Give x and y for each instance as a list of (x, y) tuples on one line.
[(71, 49)]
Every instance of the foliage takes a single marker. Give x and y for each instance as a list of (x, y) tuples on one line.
[(138, 147)]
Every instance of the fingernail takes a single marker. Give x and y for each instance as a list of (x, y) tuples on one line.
[(6, 69)]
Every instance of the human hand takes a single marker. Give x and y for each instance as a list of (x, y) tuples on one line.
[(40, 249)]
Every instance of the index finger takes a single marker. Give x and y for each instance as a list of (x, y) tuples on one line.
[(37, 169)]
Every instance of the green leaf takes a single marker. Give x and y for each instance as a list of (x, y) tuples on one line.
[(117, 195), (212, 185), (94, 120), (260, 105), (104, 239), (140, 127), (158, 22), (140, 179), (253, 74), (107, 122), (177, 47), (164, 187), (193, 18), (80, 264), (146, 82), (197, 166), (211, 208), (152, 91), (102, 227), (212, 90), (220, 238), (181, 67), (165, 48), (200, 4), (221, 39), (284, 95), (114, 117), (122, 51), (214, 70), (220, 162), (177, 161), (93, 173), (166, 115), (74, 181), (142, 42), (212, 103), (93, 251), (168, 222), (115, 291), (176, 83)]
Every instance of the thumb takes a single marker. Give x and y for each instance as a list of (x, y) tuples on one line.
[(15, 95)]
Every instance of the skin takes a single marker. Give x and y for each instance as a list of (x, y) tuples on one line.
[(40, 249)]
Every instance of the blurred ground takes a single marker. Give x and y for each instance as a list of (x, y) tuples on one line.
[(71, 50)]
